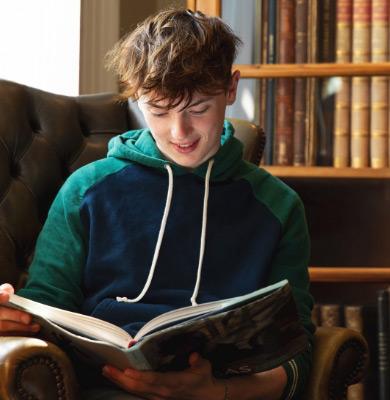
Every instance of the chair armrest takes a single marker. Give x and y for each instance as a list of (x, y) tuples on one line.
[(340, 359), (31, 368)]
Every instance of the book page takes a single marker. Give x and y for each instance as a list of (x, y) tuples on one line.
[(85, 325), (190, 312)]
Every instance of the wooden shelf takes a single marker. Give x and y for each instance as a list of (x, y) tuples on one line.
[(328, 172), (350, 274), (312, 70)]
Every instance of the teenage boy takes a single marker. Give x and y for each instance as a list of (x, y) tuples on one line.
[(173, 215)]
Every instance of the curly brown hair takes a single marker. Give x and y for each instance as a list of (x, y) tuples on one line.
[(172, 55)]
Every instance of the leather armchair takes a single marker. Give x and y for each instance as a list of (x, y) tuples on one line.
[(43, 138)]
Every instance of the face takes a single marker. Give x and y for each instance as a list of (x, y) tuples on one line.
[(190, 135)]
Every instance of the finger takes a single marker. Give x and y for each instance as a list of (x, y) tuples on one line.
[(10, 314), (194, 360), (16, 321), (198, 364), (151, 377), (16, 327), (5, 290), (134, 385), (172, 381)]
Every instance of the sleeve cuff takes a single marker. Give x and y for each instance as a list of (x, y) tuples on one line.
[(291, 369)]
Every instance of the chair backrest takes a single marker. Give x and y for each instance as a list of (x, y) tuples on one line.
[(43, 138)]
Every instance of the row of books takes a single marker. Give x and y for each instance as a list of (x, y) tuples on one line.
[(336, 121), (384, 343)]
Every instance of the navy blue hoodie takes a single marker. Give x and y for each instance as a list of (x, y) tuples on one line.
[(134, 235)]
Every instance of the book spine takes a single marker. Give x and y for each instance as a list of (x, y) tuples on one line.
[(360, 95), (263, 82), (325, 109), (341, 132), (312, 87), (353, 317), (257, 58), (270, 83), (330, 315), (383, 344), (301, 24), (285, 86), (379, 86)]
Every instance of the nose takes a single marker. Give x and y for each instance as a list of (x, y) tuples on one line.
[(180, 128)]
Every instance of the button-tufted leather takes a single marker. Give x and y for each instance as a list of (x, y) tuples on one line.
[(43, 138)]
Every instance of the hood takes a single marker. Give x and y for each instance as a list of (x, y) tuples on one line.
[(139, 146)]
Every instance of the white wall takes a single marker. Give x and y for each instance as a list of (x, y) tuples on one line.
[(40, 43), (242, 17), (100, 21)]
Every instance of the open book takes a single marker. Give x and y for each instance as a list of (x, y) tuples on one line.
[(244, 334)]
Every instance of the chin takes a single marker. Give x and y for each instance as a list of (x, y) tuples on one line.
[(188, 165)]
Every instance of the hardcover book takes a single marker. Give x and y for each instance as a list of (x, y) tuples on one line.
[(284, 100), (312, 87), (263, 26), (330, 315), (360, 90), (326, 86), (269, 84), (383, 343), (241, 335), (300, 120), (379, 86), (353, 316), (342, 112)]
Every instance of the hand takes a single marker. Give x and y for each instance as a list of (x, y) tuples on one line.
[(14, 322), (196, 382)]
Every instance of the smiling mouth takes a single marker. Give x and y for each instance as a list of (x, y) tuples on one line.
[(186, 147)]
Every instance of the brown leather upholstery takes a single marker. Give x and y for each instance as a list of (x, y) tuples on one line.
[(43, 138), (33, 369), (340, 359)]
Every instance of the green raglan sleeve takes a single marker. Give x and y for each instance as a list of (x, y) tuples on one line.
[(291, 262), (55, 274)]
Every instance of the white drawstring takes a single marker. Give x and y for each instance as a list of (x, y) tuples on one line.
[(159, 239), (203, 234), (161, 235)]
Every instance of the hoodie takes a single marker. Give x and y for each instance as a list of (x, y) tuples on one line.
[(133, 235)]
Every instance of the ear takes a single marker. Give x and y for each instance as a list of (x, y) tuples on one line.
[(232, 90)]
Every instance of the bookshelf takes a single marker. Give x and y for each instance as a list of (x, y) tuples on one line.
[(350, 274), (305, 180), (312, 70), (328, 172)]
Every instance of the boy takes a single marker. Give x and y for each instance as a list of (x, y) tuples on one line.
[(178, 197)]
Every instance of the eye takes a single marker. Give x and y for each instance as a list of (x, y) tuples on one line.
[(199, 112), (158, 115)]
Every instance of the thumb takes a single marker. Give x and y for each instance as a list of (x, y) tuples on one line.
[(7, 288), (199, 363)]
